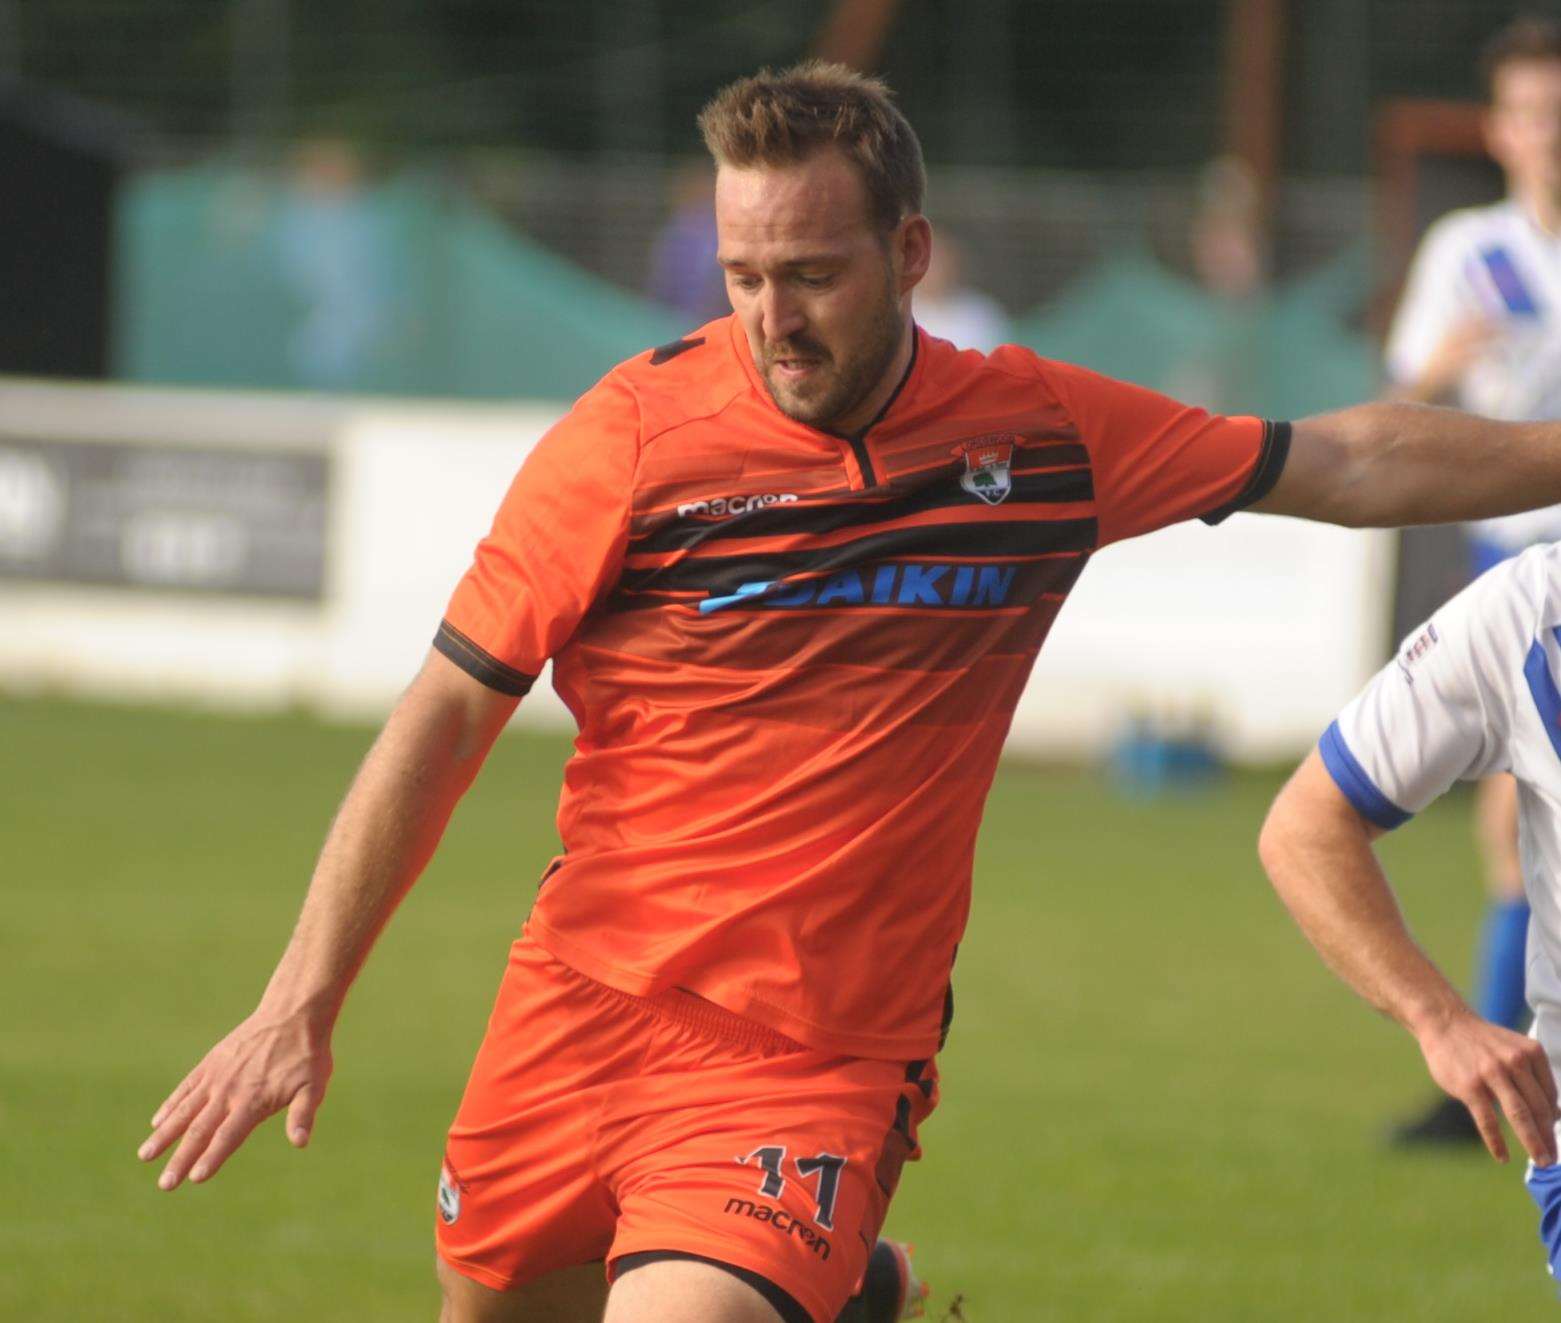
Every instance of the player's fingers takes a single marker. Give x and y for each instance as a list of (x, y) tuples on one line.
[(233, 1131), (1521, 1117), (174, 1123), (1539, 1065), (1529, 1113), (176, 1097), (300, 1114), (1479, 1105), (192, 1145), (1538, 1083)]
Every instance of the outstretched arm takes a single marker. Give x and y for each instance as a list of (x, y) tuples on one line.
[(1318, 853), (1384, 465), (384, 834)]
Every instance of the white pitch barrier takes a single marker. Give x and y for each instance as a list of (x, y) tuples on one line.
[(248, 550)]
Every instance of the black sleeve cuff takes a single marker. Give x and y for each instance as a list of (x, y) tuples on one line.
[(479, 664), (1265, 473)]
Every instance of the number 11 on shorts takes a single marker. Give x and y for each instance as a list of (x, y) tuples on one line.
[(826, 1166)]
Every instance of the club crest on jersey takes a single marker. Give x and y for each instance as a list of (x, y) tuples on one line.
[(986, 467)]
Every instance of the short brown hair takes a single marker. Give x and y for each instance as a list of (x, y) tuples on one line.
[(1527, 38), (781, 118)]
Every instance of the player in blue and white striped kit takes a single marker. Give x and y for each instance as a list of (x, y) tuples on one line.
[(1476, 690), (1480, 326)]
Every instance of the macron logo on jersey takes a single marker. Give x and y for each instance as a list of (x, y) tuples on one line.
[(967, 586), (722, 506)]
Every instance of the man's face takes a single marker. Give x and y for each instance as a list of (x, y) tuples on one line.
[(1523, 130), (819, 290)]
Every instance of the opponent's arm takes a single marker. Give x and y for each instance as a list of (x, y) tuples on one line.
[(1318, 853), (384, 834), (1437, 380), (1381, 465)]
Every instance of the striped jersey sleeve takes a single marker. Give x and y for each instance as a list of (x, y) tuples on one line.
[(556, 545), (1439, 712)]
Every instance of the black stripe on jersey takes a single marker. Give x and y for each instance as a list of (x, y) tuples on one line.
[(1265, 473), (480, 664), (1052, 455), (1061, 487), (989, 538), (667, 352)]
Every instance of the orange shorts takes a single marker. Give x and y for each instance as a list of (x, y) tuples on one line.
[(598, 1125)]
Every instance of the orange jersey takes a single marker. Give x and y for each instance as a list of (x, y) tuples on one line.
[(794, 656)]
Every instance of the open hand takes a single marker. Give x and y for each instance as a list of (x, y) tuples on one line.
[(1453, 356), (267, 1063), (1485, 1066)]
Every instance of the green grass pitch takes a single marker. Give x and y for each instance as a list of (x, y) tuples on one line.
[(1156, 1104)]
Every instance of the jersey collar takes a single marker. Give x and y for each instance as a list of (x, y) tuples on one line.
[(911, 374)]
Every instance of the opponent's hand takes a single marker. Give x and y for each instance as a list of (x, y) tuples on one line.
[(267, 1063), (1483, 1066), (1453, 356)]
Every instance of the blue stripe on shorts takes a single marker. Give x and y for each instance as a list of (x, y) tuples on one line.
[(1544, 1187)]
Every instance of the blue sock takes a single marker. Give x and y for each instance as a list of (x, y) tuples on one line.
[(1498, 979)]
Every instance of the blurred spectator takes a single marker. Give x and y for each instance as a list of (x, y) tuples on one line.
[(333, 257), (1228, 256), (683, 271), (953, 311)]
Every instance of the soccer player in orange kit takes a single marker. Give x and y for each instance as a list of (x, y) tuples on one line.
[(792, 572)]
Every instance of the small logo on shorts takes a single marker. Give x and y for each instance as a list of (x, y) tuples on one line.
[(449, 1196), (782, 1221)]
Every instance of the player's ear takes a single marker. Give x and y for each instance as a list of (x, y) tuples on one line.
[(915, 243)]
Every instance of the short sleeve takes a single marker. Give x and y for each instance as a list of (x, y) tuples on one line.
[(1157, 461), (1435, 714), (1437, 297), (556, 545)]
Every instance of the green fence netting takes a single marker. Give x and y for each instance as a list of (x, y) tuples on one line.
[(235, 279), (1284, 353), (225, 278)]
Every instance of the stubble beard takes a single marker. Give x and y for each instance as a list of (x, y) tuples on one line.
[(848, 381)]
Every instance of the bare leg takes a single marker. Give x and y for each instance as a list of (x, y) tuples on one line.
[(685, 1291), (571, 1295)]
